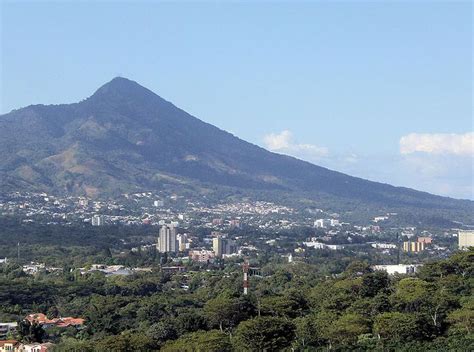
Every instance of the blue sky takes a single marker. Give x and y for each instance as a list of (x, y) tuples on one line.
[(368, 88)]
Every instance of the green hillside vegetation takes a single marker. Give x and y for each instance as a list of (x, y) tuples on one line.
[(295, 307)]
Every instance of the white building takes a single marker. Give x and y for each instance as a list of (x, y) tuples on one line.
[(384, 245), (319, 245), (167, 240), (322, 223), (183, 242), (97, 220), (158, 203), (398, 269)]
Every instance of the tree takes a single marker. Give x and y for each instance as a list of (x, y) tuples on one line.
[(162, 331), (31, 332), (264, 334), (347, 329), (126, 342), (190, 321), (397, 326), (289, 305), (222, 311), (411, 294), (462, 320), (374, 283), (306, 332), (201, 341)]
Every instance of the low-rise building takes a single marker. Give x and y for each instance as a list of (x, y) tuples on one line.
[(425, 240), (202, 256), (45, 322), (398, 268), (7, 329), (10, 346)]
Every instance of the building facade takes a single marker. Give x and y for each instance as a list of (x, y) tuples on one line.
[(465, 239), (223, 246), (167, 240), (414, 247)]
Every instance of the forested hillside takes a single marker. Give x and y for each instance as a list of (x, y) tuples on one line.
[(294, 306)]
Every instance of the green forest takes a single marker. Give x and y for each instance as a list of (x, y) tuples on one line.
[(292, 307)]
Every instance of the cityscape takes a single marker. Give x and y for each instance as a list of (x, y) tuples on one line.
[(236, 176)]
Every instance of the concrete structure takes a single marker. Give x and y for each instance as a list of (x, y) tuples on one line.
[(10, 346), (158, 203), (322, 223), (398, 269), (319, 245), (7, 328), (97, 220), (167, 241), (202, 256), (425, 240), (384, 245), (246, 285), (414, 247), (217, 246), (465, 239), (223, 246), (183, 242)]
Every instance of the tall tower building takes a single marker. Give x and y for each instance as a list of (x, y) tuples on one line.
[(167, 241), (97, 220), (217, 246), (222, 246), (182, 242)]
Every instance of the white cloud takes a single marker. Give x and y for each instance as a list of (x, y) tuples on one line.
[(438, 143), (283, 143), (437, 163)]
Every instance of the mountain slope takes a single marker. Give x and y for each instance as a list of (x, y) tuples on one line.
[(125, 138)]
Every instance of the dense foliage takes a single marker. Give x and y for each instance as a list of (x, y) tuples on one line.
[(295, 306)]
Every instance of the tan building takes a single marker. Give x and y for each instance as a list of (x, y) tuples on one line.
[(465, 239), (414, 247), (217, 246)]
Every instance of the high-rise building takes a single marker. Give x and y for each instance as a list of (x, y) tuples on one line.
[(217, 243), (182, 242), (465, 239), (167, 241), (97, 220), (325, 223), (222, 246)]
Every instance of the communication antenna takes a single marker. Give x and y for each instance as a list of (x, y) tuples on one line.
[(246, 277), (398, 248), (18, 250)]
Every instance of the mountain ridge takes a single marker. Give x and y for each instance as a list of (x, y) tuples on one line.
[(126, 137)]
